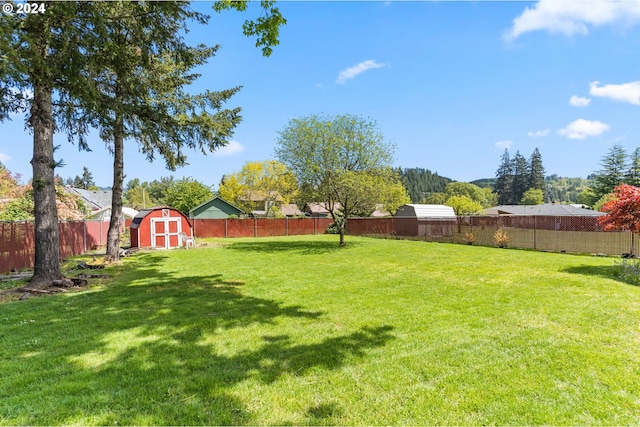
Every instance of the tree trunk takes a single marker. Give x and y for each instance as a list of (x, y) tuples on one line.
[(113, 236), (47, 239), (342, 226)]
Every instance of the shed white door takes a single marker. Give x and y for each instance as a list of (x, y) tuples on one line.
[(164, 232)]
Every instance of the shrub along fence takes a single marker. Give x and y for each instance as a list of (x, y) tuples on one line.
[(17, 243)]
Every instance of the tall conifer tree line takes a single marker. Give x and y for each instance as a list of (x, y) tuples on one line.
[(515, 176)]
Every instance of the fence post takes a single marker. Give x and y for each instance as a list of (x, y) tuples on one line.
[(255, 227), (315, 226), (84, 234), (535, 229), (225, 228), (286, 226)]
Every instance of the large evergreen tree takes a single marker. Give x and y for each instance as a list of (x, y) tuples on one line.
[(42, 71), (520, 182), (614, 167), (504, 180), (536, 171), (632, 175)]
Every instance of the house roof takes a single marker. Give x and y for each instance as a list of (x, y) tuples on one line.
[(426, 211), (380, 211), (96, 199), (546, 209), (126, 211), (291, 209), (192, 210), (260, 196)]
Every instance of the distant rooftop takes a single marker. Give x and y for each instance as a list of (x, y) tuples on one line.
[(546, 209)]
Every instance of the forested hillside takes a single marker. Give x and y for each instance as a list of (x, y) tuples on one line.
[(421, 182), (565, 190)]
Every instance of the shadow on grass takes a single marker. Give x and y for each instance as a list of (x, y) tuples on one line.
[(161, 348), (299, 247), (613, 272)]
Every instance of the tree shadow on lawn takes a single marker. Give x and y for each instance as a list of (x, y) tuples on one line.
[(612, 272), (168, 352), (300, 247)]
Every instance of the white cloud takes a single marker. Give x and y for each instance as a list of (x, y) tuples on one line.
[(4, 158), (626, 92), (351, 72), (539, 133), (574, 17), (578, 101), (233, 147), (581, 129), (504, 144)]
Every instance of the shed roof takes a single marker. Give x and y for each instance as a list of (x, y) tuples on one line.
[(426, 211), (143, 213)]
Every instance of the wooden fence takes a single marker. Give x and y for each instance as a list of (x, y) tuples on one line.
[(559, 234), (259, 227), (575, 234), (17, 244)]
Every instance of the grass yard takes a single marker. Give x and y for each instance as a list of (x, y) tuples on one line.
[(296, 331)]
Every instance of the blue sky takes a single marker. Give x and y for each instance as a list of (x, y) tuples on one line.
[(451, 84)]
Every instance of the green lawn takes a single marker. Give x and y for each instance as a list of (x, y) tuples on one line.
[(284, 331)]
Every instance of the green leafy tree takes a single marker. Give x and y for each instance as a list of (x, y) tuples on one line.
[(138, 195), (342, 161), (434, 199), (187, 193), (490, 197), (469, 190), (462, 206), (260, 185), (532, 196)]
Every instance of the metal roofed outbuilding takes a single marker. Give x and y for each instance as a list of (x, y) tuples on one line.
[(426, 211), (436, 221)]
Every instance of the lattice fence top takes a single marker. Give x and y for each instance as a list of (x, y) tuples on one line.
[(560, 223)]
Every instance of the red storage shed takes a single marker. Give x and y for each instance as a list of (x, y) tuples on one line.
[(159, 227)]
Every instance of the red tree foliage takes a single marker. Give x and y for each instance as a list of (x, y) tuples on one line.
[(623, 210)]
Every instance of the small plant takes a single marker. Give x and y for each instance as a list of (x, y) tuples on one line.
[(469, 238), (629, 270), (501, 238)]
